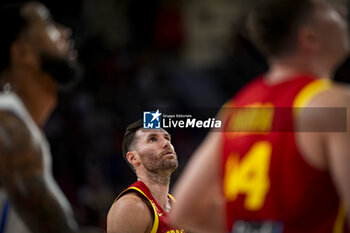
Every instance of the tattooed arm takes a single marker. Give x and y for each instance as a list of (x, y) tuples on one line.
[(29, 182)]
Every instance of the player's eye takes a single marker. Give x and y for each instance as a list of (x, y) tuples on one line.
[(152, 139)]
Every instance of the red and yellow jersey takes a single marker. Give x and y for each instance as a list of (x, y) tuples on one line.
[(160, 216), (267, 184)]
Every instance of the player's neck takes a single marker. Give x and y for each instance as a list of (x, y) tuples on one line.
[(158, 186), (39, 98), (284, 69)]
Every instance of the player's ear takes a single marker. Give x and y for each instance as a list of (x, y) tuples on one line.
[(133, 158), (308, 38)]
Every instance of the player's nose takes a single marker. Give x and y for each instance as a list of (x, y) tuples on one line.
[(166, 144)]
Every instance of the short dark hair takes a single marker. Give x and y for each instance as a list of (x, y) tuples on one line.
[(12, 23), (129, 138), (272, 24)]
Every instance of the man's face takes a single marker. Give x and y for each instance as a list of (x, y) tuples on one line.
[(329, 20), (156, 152), (51, 43)]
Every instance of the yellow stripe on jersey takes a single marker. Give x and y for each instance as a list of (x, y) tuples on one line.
[(308, 92), (156, 218), (225, 110), (340, 220), (172, 198)]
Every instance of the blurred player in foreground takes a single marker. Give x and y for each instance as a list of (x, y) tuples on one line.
[(286, 169), (36, 59), (144, 206)]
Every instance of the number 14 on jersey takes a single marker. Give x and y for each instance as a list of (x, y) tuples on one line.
[(249, 176)]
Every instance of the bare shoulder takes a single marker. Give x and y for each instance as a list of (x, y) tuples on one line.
[(130, 202), (336, 96), (327, 110), (129, 214), (325, 115)]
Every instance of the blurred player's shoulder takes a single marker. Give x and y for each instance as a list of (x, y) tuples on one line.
[(336, 95), (12, 109)]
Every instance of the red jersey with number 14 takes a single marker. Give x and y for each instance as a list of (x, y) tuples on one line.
[(267, 184)]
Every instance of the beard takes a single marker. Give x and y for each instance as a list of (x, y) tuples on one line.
[(158, 164), (67, 73)]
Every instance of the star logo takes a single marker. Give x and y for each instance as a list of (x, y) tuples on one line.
[(156, 115)]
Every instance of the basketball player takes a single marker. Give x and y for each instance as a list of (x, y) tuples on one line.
[(279, 174), (145, 205), (36, 59)]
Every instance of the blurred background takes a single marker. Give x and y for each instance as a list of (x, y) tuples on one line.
[(142, 55)]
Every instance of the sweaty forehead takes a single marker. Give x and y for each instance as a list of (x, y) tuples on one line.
[(35, 11), (143, 133)]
